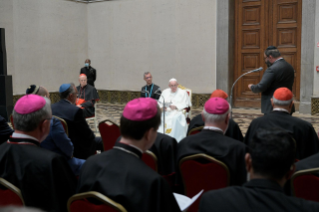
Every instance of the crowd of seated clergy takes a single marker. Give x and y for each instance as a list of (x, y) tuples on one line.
[(47, 176)]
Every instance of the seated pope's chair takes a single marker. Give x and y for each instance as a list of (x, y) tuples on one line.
[(93, 117), (304, 184), (10, 194), (150, 159), (201, 171), (187, 110), (64, 124), (195, 130), (110, 132), (93, 201)]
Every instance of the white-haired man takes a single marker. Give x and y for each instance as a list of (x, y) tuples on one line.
[(303, 132), (213, 142), (173, 100)]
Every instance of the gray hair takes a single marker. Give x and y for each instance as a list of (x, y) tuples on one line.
[(273, 52), (280, 102), (29, 122), (215, 118), (146, 73), (66, 94)]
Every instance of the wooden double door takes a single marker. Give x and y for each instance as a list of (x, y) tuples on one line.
[(259, 24)]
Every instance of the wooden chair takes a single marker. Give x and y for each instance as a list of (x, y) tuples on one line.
[(187, 111), (304, 184), (80, 203), (64, 124), (195, 130), (10, 194), (201, 171), (109, 131), (150, 159), (93, 117)]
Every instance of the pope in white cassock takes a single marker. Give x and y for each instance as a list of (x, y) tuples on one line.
[(175, 100)]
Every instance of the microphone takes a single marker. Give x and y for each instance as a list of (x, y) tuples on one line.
[(231, 91)]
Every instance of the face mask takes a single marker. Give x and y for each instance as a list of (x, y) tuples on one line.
[(268, 63), (87, 65)]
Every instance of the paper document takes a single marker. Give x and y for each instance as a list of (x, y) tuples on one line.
[(184, 202)]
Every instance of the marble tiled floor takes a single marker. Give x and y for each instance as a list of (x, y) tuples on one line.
[(241, 115)]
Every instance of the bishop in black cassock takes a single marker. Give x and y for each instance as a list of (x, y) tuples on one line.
[(307, 142)]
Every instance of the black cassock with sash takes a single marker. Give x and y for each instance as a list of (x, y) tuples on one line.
[(152, 91)]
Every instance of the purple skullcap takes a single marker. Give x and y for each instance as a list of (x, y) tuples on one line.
[(216, 105), (140, 109), (29, 104)]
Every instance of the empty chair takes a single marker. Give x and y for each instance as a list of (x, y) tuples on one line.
[(109, 131), (10, 194), (93, 201), (201, 171)]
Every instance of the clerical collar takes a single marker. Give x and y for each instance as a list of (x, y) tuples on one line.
[(133, 150), (213, 129), (280, 110), (19, 138)]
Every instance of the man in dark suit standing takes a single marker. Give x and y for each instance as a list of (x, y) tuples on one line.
[(81, 135), (278, 74), (89, 71)]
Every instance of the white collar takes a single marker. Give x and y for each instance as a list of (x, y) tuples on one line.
[(213, 128), (281, 110), (20, 135)]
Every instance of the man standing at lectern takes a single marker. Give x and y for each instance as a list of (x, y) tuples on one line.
[(278, 74)]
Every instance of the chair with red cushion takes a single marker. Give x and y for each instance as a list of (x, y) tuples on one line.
[(150, 159), (201, 171), (64, 124), (10, 194), (110, 132), (195, 130), (11, 120), (83, 202), (304, 184)]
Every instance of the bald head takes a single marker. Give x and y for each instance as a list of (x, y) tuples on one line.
[(83, 80), (43, 92)]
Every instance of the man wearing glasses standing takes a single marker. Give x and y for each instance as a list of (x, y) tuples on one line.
[(150, 89), (278, 74)]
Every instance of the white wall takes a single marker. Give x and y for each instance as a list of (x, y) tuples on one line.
[(169, 38), (47, 41), (316, 54)]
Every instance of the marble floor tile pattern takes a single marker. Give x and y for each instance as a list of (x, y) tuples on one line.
[(241, 115)]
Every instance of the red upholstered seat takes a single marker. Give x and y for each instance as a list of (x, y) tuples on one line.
[(201, 171), (150, 159), (80, 203), (10, 194), (11, 120), (64, 124), (109, 132), (195, 130), (305, 184)]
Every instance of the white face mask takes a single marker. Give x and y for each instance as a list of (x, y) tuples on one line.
[(87, 65)]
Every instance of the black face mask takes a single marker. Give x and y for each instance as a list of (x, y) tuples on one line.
[(268, 63)]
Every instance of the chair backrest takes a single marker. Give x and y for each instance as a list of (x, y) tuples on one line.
[(150, 159), (10, 194), (109, 131), (304, 184), (64, 124), (201, 171), (195, 130), (11, 120), (80, 203)]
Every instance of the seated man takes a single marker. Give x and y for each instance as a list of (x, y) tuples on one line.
[(212, 141), (120, 174), (44, 177), (5, 130), (87, 97), (57, 141), (270, 163), (233, 129), (82, 137), (173, 100), (150, 89), (303, 132)]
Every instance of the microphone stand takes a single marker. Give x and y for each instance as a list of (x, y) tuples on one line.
[(158, 93), (231, 91)]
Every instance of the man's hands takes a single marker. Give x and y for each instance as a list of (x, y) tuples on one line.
[(79, 106), (249, 86), (173, 107)]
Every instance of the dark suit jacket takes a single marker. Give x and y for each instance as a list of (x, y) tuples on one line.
[(154, 95), (80, 133), (280, 74), (5, 130), (257, 195)]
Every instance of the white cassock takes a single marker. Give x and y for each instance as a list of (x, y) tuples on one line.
[(175, 121)]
